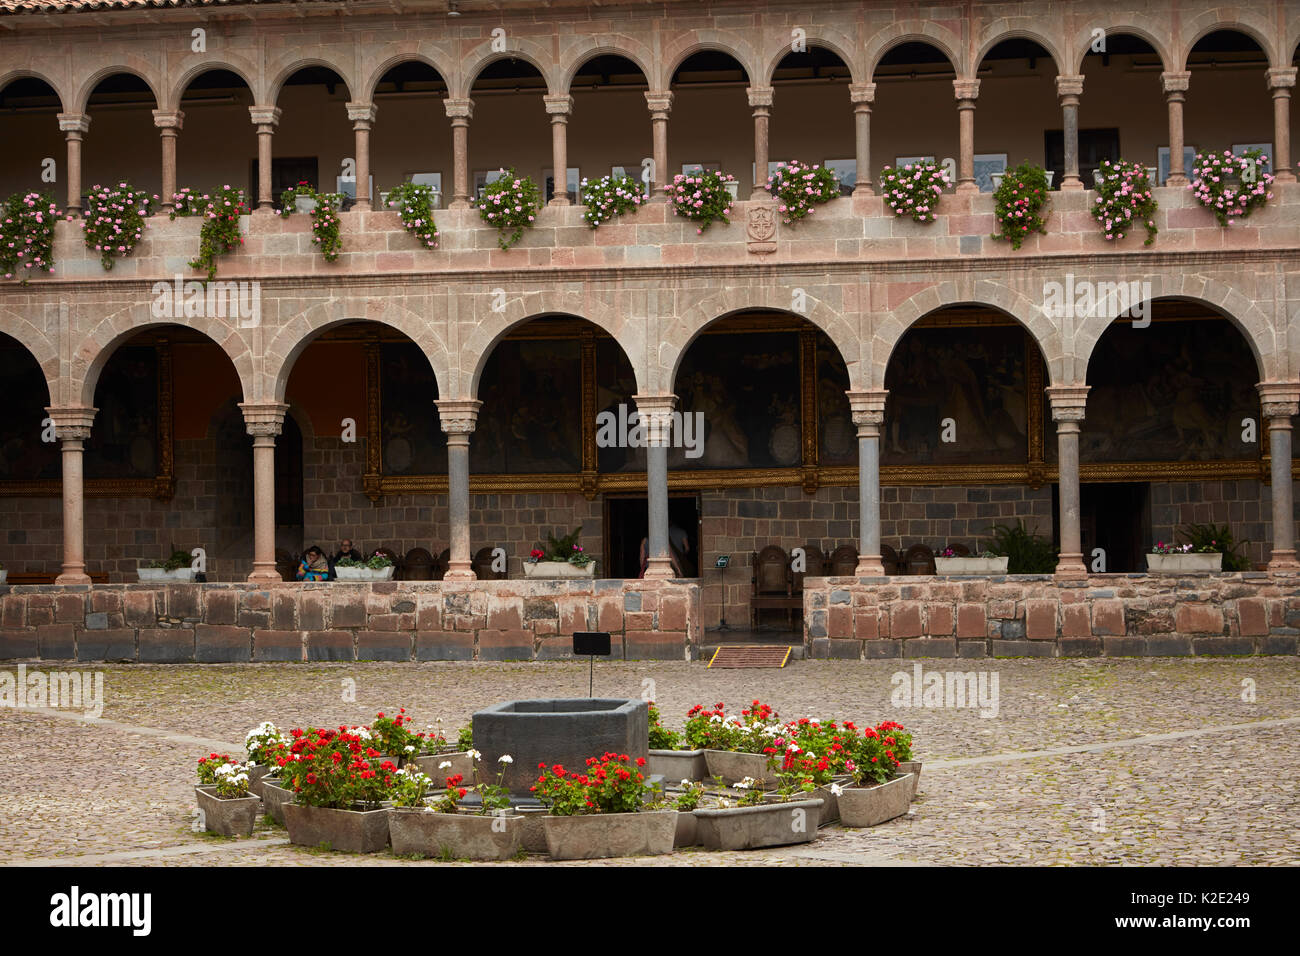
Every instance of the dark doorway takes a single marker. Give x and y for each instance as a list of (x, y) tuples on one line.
[(1115, 518), (626, 521), (288, 475), (287, 172), (1094, 146)]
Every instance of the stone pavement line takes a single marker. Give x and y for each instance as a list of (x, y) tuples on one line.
[(157, 853), (208, 743), (1107, 745)]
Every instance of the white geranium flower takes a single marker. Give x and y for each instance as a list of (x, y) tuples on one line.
[(505, 758), (836, 790), (746, 784), (445, 765), (408, 749)]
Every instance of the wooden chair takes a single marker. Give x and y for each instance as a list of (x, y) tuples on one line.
[(483, 566), (815, 565), (285, 565), (417, 565), (772, 585), (844, 561), (889, 558), (441, 565), (919, 559), (393, 556)]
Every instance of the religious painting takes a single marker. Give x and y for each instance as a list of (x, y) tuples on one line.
[(23, 455), (615, 386), (124, 440), (531, 418), (1173, 391), (412, 441), (837, 438), (746, 387), (957, 396)]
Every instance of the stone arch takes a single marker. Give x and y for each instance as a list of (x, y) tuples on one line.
[(1238, 19), (891, 327), (41, 349), (828, 39), (679, 333), (275, 86), (1143, 28), (483, 56), (82, 98), (611, 44), (914, 31), (99, 344), (402, 54), (1227, 301), (301, 330), (241, 68), (1002, 29), (19, 73), (723, 41), (491, 328)]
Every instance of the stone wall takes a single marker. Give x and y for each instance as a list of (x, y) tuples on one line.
[(391, 621), (1117, 615)]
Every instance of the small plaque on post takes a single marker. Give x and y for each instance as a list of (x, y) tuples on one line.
[(591, 643)]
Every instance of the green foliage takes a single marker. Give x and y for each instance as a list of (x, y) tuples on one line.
[(1124, 199), (609, 197), (1018, 203), (511, 204), (465, 738), (661, 738), (220, 230), (415, 203), (700, 197), (114, 220), (798, 188), (27, 234), (1027, 553), (1210, 537), (178, 559)]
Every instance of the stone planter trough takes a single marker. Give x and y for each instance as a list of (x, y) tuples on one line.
[(751, 828), (460, 764), (830, 812), (734, 767), (228, 817), (162, 574), (558, 569), (870, 806), (274, 797), (1191, 561), (462, 835), (971, 565), (351, 831), (678, 765), (597, 836), (363, 574), (914, 768)]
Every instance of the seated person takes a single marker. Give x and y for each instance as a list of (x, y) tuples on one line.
[(346, 550), (315, 566)]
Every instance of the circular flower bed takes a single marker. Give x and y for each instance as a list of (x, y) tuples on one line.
[(798, 188), (1124, 198), (1232, 187), (700, 197), (415, 203), (511, 204), (914, 190), (610, 196), (27, 234), (114, 220), (1018, 203)]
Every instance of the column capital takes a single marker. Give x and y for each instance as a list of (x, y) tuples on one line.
[(263, 419), (1069, 85), (74, 123), (169, 119), (760, 97), (868, 405), (71, 422), (1280, 399), (966, 90), (360, 113), (265, 115), (459, 109), (1068, 402), (862, 93), (1282, 77), (559, 104), (659, 102), (656, 412), (1175, 82), (458, 416)]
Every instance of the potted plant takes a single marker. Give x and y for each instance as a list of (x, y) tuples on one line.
[(949, 561), (114, 220), (220, 230), (753, 822), (338, 792), (415, 202), (668, 759), (511, 204), (914, 189), (562, 558), (736, 748), (1230, 186), (1018, 200), (264, 743), (799, 188), (879, 792), (175, 568), (439, 759), (377, 567), (447, 829), (610, 196), (600, 813), (1169, 558), (299, 198), (1026, 553), (1124, 199), (226, 806), (702, 197), (27, 234)]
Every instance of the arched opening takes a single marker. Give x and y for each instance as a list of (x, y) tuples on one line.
[(28, 462), (1018, 116), (121, 117), (913, 79), (314, 136), (609, 132), (962, 444), (34, 149), (510, 126), (1122, 114), (410, 140), (1173, 435), (1228, 102), (712, 123), (813, 117), (218, 144)]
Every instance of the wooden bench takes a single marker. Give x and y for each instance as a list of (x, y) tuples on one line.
[(773, 585), (41, 577)]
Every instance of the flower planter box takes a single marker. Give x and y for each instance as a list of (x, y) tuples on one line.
[(870, 806), (1192, 561), (733, 189), (274, 797), (303, 204), (914, 768), (364, 574), (414, 830), (752, 828), (597, 836), (688, 830), (830, 812), (256, 773), (998, 177), (162, 574), (971, 565), (532, 828), (351, 831), (558, 569), (677, 765), (734, 767), (234, 816), (460, 764)]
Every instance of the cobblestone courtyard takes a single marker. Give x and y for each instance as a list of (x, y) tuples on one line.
[(1093, 761)]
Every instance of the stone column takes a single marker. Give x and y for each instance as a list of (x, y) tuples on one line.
[(1068, 91), (1175, 88), (862, 97), (1280, 83), (460, 112), (263, 422), (868, 414), (760, 101), (1281, 401), (362, 116), (967, 92), (74, 126), (72, 428), (559, 108), (1068, 403), (169, 123), (660, 105), (265, 118), (656, 414), (458, 417)]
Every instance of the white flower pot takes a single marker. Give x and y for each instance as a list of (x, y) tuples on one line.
[(4, 575), (997, 180), (364, 574), (872, 805), (161, 574), (1050, 174), (971, 565), (1191, 561), (733, 189), (303, 204), (558, 569)]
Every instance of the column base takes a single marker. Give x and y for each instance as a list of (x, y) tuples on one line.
[(661, 568), (1285, 176), (360, 206), (760, 194), (869, 566), (460, 204), (77, 577), (1070, 183), (560, 201), (863, 189), (460, 571), (264, 575), (1070, 567), (267, 210), (967, 186), (1283, 561), (1177, 181)]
